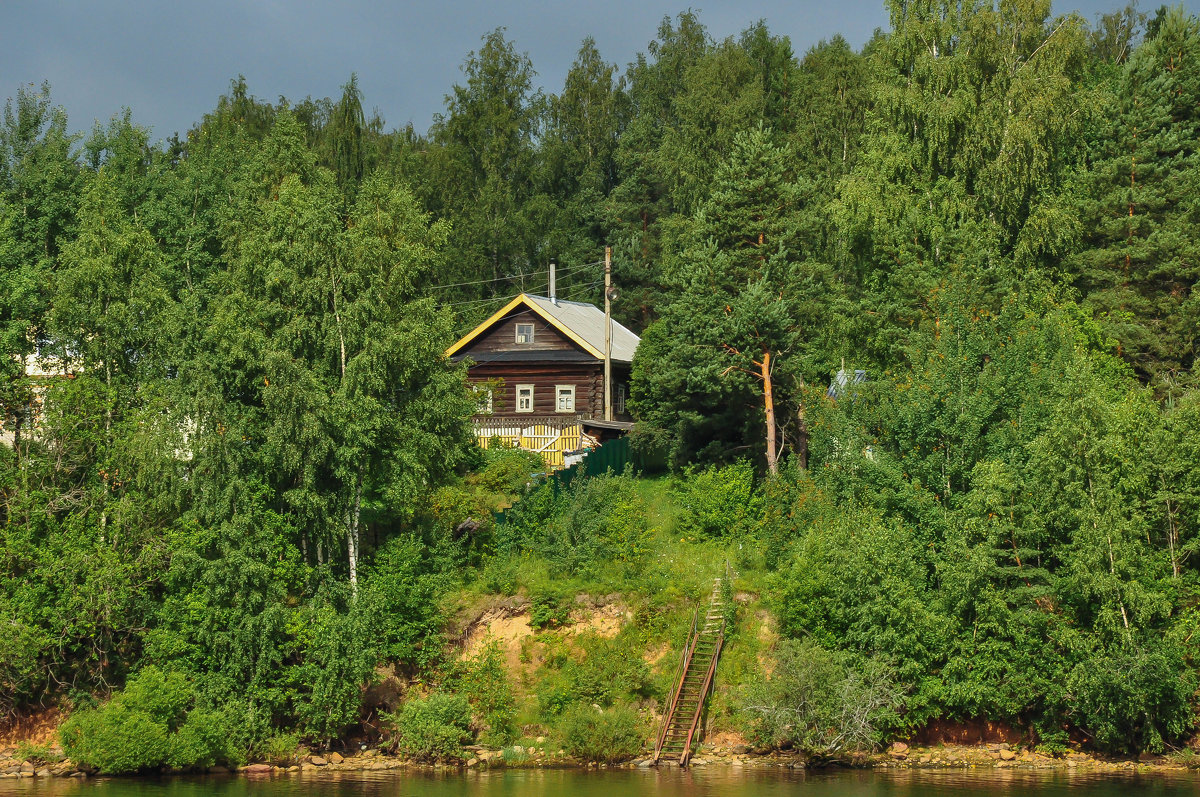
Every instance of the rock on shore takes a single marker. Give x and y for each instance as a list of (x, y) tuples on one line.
[(899, 755)]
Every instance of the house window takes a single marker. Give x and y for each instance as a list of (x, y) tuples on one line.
[(619, 400), (524, 398), (524, 333), (566, 398), (483, 399)]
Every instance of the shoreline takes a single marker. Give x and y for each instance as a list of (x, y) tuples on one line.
[(898, 757)]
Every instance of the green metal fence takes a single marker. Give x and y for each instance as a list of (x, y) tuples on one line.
[(614, 456)]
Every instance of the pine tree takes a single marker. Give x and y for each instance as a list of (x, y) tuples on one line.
[(577, 165), (746, 311), (483, 164), (1141, 258)]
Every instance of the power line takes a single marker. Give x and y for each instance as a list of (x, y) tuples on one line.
[(513, 277), (572, 269), (572, 293), (581, 289), (467, 302), (475, 282), (573, 290)]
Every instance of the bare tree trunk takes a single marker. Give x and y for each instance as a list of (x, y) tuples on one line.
[(1172, 536), (108, 419), (1172, 533), (337, 317), (769, 400), (802, 434), (1112, 562), (352, 516), (17, 419)]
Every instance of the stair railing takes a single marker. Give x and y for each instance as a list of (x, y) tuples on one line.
[(710, 674), (704, 689), (689, 647)]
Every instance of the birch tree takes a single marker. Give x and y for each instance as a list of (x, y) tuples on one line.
[(350, 400)]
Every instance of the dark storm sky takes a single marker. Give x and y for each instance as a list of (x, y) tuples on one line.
[(169, 62)]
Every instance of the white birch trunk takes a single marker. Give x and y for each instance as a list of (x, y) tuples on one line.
[(352, 516)]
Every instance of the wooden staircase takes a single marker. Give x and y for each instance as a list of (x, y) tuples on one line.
[(697, 669)]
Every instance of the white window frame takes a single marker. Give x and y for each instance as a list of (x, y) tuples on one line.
[(518, 335), (559, 392), (519, 398)]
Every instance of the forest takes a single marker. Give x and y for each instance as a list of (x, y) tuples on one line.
[(239, 497)]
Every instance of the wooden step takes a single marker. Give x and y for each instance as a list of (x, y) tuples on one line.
[(694, 684)]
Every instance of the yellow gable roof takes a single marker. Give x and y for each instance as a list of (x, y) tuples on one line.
[(580, 322)]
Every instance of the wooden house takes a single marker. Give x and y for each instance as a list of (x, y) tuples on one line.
[(40, 369), (537, 367)]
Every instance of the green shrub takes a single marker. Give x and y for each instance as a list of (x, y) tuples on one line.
[(338, 652), (281, 750), (500, 575), (610, 671), (603, 520), (150, 724), (455, 503), (507, 470), (1055, 743), (165, 696), (1135, 700), (20, 645), (245, 722), (200, 742), (116, 739), (40, 753), (554, 692), (861, 584), (610, 735), (549, 607), (817, 703), (483, 681), (433, 728), (402, 599), (720, 502), (526, 521)]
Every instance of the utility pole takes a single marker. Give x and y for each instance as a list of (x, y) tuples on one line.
[(608, 333)]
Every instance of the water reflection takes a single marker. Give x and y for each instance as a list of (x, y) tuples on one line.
[(700, 782)]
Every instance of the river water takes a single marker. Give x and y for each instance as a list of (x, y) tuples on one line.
[(700, 782)]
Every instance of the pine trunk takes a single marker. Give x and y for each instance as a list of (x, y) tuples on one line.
[(769, 401)]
